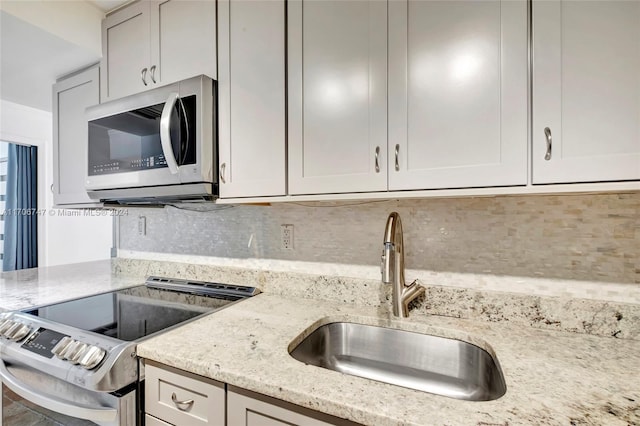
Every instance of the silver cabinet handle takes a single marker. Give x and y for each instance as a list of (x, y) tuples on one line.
[(52, 188), (143, 76), (377, 159), (223, 167), (187, 402), (547, 134), (153, 73), (397, 154)]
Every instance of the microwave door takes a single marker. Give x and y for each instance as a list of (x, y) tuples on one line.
[(125, 150)]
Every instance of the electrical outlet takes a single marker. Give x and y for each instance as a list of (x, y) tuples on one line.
[(142, 225), (286, 234)]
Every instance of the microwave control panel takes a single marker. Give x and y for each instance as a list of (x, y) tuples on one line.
[(152, 162)]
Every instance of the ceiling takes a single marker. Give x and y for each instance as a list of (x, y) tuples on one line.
[(108, 5), (41, 41), (31, 60)]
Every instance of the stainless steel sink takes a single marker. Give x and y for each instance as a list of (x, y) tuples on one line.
[(438, 365)]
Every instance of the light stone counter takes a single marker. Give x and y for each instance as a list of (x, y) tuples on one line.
[(602, 312), (40, 286), (553, 377)]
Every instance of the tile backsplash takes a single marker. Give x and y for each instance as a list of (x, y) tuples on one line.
[(578, 237)]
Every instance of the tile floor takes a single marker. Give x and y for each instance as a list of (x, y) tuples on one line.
[(18, 412)]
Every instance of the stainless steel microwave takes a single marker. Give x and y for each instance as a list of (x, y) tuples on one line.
[(156, 146)]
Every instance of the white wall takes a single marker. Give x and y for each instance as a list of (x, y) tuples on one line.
[(40, 43), (61, 239), (77, 22)]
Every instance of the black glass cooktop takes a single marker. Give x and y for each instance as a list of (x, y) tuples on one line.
[(129, 314)]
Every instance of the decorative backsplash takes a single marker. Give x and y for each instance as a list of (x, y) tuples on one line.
[(577, 237)]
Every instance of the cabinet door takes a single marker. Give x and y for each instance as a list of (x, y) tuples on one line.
[(586, 91), (126, 51), (457, 94), (182, 398), (70, 98), (183, 40), (337, 96), (245, 411), (252, 98)]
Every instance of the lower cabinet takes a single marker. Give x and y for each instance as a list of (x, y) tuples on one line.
[(178, 398), (254, 410)]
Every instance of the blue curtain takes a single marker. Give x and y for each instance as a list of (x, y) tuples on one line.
[(21, 220)]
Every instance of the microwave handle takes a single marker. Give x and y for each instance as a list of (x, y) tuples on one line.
[(165, 133), (54, 403)]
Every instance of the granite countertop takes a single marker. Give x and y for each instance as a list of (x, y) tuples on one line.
[(552, 377), (27, 288)]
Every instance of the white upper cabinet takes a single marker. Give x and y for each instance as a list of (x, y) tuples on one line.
[(337, 81), (126, 51), (157, 42), (70, 98), (251, 82), (586, 91), (183, 39), (457, 94)]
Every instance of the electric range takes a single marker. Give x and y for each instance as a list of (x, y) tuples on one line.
[(78, 358)]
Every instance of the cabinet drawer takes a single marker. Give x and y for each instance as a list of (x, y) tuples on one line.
[(183, 398), (246, 408), (152, 421)]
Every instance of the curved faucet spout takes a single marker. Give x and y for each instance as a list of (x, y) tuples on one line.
[(392, 267)]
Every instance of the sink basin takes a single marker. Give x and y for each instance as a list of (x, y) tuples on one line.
[(437, 365)]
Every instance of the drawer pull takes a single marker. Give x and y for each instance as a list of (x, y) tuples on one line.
[(179, 404)]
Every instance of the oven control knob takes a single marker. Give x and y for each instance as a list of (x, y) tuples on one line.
[(21, 333), (69, 349), (78, 352), (12, 331), (61, 346), (92, 357), (5, 326)]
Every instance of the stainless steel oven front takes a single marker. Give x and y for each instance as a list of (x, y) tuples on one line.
[(30, 397), (70, 389)]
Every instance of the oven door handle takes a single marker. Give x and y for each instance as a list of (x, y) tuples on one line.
[(165, 133), (53, 403)]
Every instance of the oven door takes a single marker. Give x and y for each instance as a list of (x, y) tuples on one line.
[(160, 137), (31, 397)]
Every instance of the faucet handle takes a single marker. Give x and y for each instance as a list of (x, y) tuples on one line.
[(410, 293)]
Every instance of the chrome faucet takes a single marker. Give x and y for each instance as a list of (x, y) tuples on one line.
[(392, 268)]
